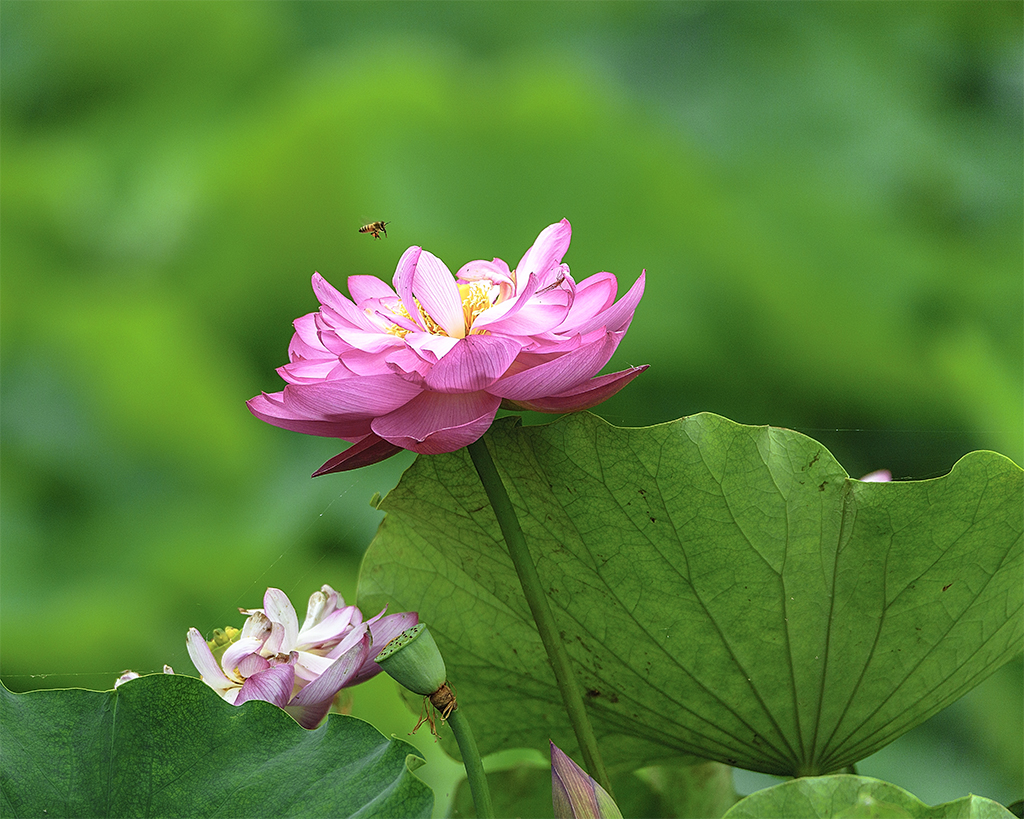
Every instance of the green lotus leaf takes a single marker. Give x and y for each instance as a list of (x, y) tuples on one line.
[(855, 797), (725, 592), (167, 745)]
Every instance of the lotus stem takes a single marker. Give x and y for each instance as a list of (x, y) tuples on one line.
[(413, 660), (541, 610), (474, 766)]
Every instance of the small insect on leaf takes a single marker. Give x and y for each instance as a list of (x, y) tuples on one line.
[(375, 229)]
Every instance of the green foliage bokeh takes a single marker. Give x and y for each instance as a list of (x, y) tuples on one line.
[(826, 198)]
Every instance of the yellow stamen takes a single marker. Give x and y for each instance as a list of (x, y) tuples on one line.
[(432, 327), (475, 299)]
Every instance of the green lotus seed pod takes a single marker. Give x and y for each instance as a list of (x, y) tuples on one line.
[(413, 660)]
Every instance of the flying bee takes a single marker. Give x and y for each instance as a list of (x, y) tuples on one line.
[(375, 229)]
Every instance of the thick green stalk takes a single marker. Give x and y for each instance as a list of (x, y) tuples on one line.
[(474, 767), (541, 609)]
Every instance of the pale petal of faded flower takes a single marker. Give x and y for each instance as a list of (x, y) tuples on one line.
[(352, 636), (203, 659), (316, 610), (274, 684), (312, 703), (237, 651), (252, 664), (337, 674), (309, 666), (280, 610), (382, 632), (125, 677), (329, 629), (257, 626)]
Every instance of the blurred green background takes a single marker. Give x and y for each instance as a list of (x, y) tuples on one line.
[(826, 197)]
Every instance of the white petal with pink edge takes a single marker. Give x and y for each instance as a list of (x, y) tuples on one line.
[(273, 685), (279, 609), (330, 628), (239, 650), (336, 676), (202, 658)]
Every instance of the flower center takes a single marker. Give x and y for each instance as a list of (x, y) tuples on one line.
[(476, 297), (428, 322)]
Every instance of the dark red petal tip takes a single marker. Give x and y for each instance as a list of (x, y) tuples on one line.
[(369, 450)]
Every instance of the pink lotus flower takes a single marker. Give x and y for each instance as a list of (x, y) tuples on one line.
[(426, 365), (298, 669)]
